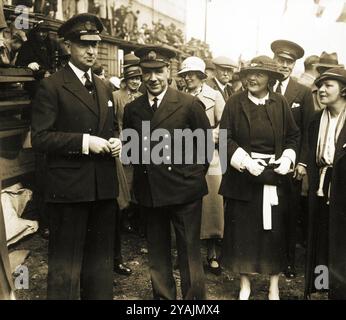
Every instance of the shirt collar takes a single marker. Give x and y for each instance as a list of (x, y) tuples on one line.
[(159, 97), (80, 73), (284, 85), (256, 100), (222, 86)]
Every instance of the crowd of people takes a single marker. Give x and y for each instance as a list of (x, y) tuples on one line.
[(284, 140), (120, 22)]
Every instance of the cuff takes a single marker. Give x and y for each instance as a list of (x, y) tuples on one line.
[(85, 147), (290, 154), (238, 158), (302, 164)]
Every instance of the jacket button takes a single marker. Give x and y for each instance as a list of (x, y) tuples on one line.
[(90, 130), (166, 136), (169, 168), (145, 172), (166, 146), (145, 149), (168, 158), (145, 138)]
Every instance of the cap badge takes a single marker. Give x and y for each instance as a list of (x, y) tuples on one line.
[(152, 55), (88, 25)]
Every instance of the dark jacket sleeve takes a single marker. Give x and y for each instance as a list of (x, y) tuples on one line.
[(199, 120), (308, 112), (45, 138), (292, 132)]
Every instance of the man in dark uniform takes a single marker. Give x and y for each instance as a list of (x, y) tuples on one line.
[(169, 192), (73, 123), (224, 69), (300, 100)]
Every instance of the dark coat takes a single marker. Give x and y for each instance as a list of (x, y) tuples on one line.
[(337, 214), (300, 100), (213, 84), (63, 111), (168, 184), (236, 120)]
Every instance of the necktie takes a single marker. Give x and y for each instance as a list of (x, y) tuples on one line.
[(279, 88), (88, 84), (154, 106), (225, 92)]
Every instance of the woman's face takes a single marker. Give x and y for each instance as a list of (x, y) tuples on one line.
[(192, 80), (257, 83), (329, 92)]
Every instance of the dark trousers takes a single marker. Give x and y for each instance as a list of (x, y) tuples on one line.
[(186, 220), (80, 252), (118, 258)]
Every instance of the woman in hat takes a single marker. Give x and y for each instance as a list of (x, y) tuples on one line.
[(193, 71), (261, 141), (327, 180)]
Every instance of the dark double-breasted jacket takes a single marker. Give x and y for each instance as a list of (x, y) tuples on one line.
[(169, 183), (299, 98), (236, 120), (63, 111)]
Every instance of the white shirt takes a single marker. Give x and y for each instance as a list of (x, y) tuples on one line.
[(284, 85), (81, 76), (159, 98), (330, 143), (256, 100), (80, 73)]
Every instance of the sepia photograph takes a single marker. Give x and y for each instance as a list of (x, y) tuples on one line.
[(172, 150)]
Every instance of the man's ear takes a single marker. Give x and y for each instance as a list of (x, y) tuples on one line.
[(67, 45)]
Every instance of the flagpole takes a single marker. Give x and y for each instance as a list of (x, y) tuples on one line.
[(206, 20)]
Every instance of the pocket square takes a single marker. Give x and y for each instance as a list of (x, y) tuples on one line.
[(344, 146), (295, 105), (110, 103)]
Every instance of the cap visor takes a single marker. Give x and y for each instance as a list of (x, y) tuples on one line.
[(153, 64), (90, 37), (286, 56)]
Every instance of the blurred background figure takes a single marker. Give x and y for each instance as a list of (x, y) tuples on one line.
[(224, 69), (310, 74), (9, 48), (209, 69), (237, 84)]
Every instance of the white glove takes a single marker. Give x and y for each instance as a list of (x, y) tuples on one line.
[(34, 66), (284, 165), (254, 166), (116, 146)]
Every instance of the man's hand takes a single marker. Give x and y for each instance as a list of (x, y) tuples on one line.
[(115, 146), (99, 145), (299, 172), (284, 165), (216, 135), (34, 66)]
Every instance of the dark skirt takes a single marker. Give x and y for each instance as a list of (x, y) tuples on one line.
[(247, 247)]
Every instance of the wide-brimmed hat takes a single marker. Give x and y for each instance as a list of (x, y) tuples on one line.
[(193, 64), (209, 64), (287, 49), (130, 60), (263, 64), (338, 74), (328, 61)]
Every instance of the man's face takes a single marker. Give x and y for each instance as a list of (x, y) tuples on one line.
[(83, 53), (133, 83), (285, 65), (156, 79), (224, 75), (16, 45)]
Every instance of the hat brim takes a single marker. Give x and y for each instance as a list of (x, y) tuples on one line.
[(225, 66), (153, 64), (286, 56), (276, 75), (323, 77), (322, 67), (186, 70)]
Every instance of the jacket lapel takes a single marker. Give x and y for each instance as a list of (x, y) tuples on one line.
[(340, 149), (168, 106), (245, 103), (102, 99), (291, 91), (74, 86)]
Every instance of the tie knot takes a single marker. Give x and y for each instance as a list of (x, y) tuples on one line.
[(155, 99), (86, 75)]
